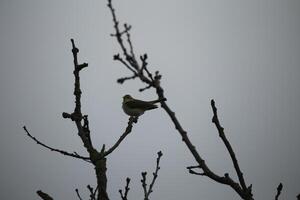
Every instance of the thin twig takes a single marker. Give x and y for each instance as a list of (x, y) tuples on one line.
[(148, 191), (118, 58), (123, 79), (92, 192), (279, 189), (78, 195), (222, 135), (127, 28), (155, 174), (95, 191), (126, 190), (144, 184), (44, 195), (74, 155), (144, 66), (145, 88), (191, 171), (116, 26), (123, 136), (130, 57)]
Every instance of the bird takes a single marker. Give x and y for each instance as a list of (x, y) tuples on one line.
[(135, 107)]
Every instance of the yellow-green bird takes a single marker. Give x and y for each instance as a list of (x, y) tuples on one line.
[(134, 107)]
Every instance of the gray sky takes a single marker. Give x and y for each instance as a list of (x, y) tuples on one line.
[(244, 54)]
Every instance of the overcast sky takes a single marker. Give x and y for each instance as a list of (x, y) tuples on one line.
[(244, 54)]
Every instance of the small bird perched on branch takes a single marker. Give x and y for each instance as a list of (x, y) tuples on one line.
[(134, 107)]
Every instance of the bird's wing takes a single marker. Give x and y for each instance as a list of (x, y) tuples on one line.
[(140, 104)]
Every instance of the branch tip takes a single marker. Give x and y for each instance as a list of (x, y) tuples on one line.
[(44, 195)]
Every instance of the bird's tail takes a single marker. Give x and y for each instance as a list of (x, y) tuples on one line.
[(158, 100)]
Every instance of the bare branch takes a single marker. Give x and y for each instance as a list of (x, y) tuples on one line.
[(92, 192), (74, 155), (144, 184), (123, 136), (127, 28), (194, 167), (279, 189), (148, 191), (196, 173), (242, 190), (118, 58), (144, 66), (123, 79), (191, 171), (132, 64), (145, 88), (126, 190), (206, 170), (98, 160), (118, 33), (222, 135), (78, 195), (44, 195), (95, 191)]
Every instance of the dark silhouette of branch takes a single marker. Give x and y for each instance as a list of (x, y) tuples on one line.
[(78, 195), (126, 190), (148, 191), (43, 195), (127, 29), (82, 124), (122, 137), (92, 192), (123, 79), (298, 197), (139, 69), (191, 171), (241, 188), (222, 135), (279, 189), (118, 58), (98, 159), (74, 155)]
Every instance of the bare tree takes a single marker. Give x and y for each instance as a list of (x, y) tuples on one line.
[(138, 66), (95, 157), (139, 69)]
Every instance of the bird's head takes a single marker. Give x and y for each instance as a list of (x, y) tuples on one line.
[(127, 97)]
